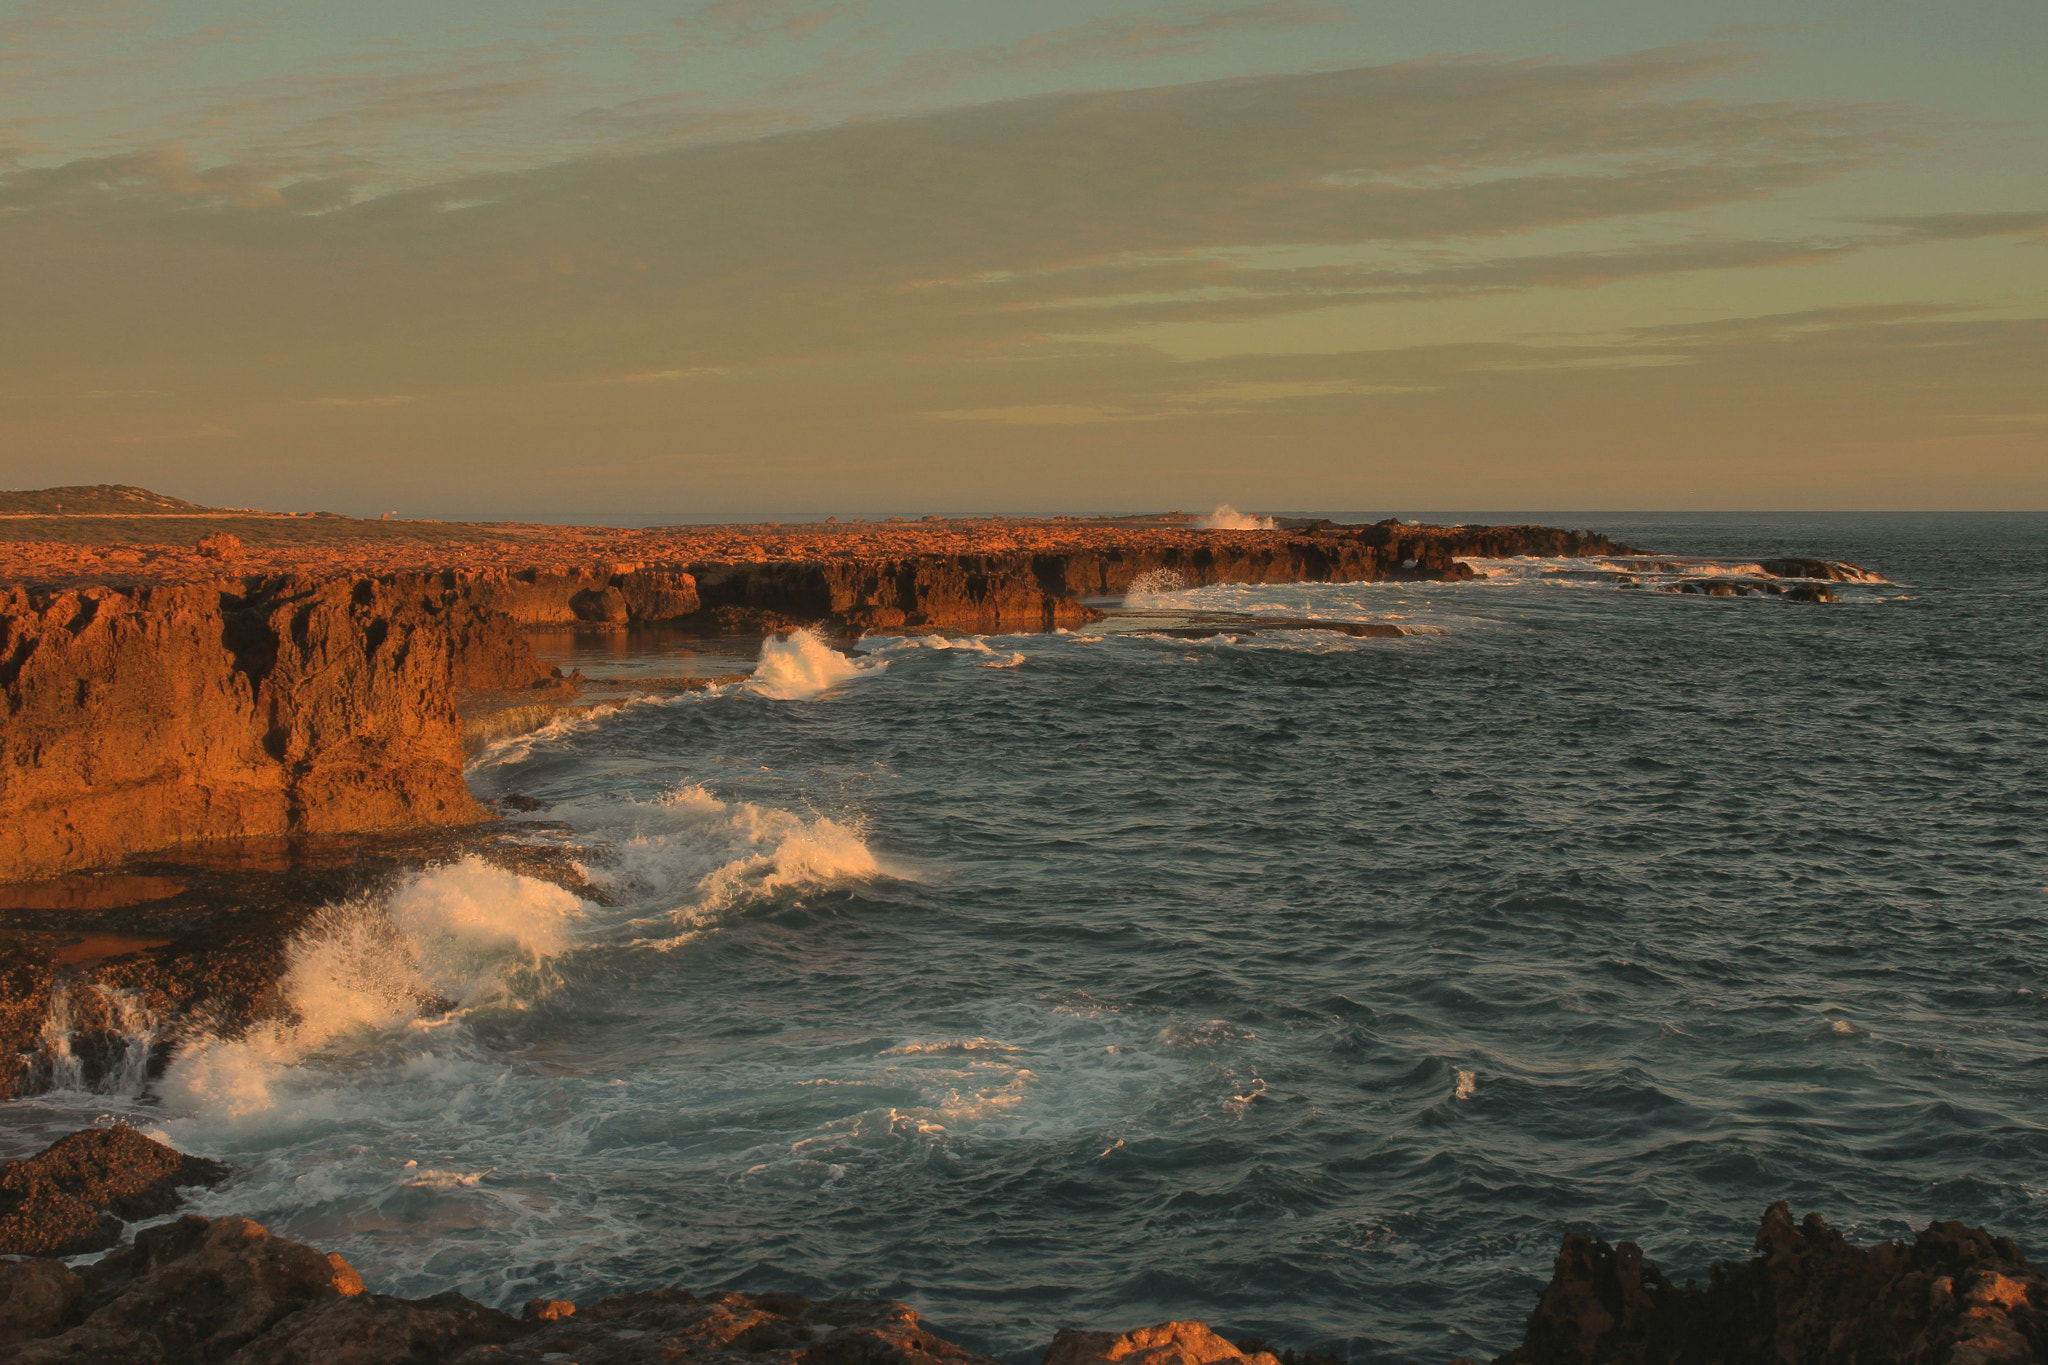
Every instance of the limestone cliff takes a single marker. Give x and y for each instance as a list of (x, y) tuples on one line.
[(139, 717), (136, 720), (1039, 591)]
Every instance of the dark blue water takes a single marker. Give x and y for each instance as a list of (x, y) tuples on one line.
[(1308, 985)]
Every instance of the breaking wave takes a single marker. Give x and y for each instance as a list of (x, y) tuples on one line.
[(1228, 518), (695, 856), (450, 938), (801, 665)]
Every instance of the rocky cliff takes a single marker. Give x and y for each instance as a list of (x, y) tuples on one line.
[(1047, 589), (140, 719)]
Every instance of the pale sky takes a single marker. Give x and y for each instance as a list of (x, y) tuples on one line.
[(726, 256)]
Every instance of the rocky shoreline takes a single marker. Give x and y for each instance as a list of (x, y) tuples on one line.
[(149, 714), (194, 761), (199, 1291), (205, 744)]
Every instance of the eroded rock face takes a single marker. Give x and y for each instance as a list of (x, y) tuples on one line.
[(73, 1196), (1169, 1343), (1955, 1296), (666, 1325), (138, 720)]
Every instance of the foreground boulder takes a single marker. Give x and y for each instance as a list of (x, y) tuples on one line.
[(200, 1291), (1956, 1296), (1170, 1343), (227, 1292), (73, 1196)]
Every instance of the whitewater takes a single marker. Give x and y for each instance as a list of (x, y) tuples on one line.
[(1309, 984)]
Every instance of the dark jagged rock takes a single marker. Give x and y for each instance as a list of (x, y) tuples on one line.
[(196, 1290), (1955, 1296), (665, 1325), (74, 1195), (379, 1329), (199, 1291)]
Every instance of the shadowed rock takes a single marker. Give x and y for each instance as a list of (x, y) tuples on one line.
[(73, 1196), (1955, 1296), (666, 1325)]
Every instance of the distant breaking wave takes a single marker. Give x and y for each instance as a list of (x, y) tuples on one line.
[(1228, 518)]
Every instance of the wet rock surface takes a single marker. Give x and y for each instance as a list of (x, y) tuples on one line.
[(74, 1195), (1954, 1296)]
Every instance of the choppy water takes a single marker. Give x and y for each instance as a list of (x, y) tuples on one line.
[(1307, 984)]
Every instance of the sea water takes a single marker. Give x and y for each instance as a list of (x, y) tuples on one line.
[(1310, 985)]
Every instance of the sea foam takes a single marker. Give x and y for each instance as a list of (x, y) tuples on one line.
[(451, 937)]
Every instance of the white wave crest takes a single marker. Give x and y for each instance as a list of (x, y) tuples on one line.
[(695, 856), (1228, 518), (801, 665), (573, 720), (450, 936)]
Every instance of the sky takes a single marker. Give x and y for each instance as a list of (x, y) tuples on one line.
[(907, 256)]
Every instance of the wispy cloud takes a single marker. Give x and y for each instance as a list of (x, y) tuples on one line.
[(669, 376), (1110, 40)]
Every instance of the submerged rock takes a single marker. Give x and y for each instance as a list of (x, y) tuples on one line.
[(1955, 1296), (73, 1196)]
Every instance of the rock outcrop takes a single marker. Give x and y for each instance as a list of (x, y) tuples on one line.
[(137, 720), (226, 1290), (665, 1325), (1955, 1296), (73, 1196), (1169, 1343)]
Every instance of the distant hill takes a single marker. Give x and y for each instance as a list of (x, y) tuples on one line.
[(119, 498)]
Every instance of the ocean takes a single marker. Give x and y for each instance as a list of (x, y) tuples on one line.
[(1309, 985)]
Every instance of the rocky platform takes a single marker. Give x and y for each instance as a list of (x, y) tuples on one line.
[(198, 1291)]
